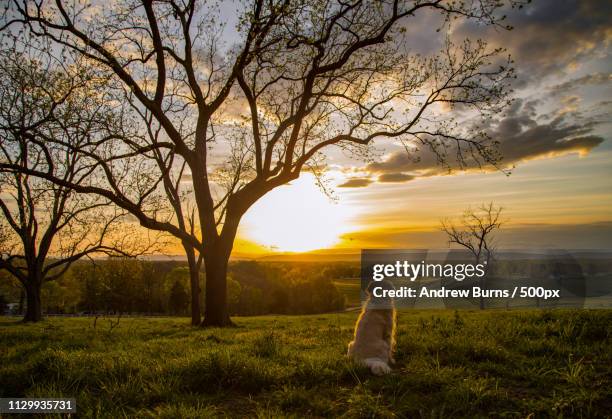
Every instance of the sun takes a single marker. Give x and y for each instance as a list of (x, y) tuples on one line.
[(297, 217)]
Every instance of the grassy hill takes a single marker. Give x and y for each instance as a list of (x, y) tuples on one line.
[(462, 364)]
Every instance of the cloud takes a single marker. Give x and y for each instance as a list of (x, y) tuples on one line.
[(589, 79), (547, 140), (522, 135), (550, 35), (550, 41), (356, 182), (394, 177)]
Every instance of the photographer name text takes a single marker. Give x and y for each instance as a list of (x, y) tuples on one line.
[(474, 292)]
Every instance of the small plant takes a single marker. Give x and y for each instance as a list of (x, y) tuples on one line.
[(267, 345), (457, 320), (575, 371)]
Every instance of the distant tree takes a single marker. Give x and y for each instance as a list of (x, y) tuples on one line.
[(184, 275), (154, 287), (326, 295), (476, 233), (87, 275), (234, 289), (113, 285), (46, 227), (65, 296), (10, 287), (3, 304), (178, 300), (121, 291), (240, 121)]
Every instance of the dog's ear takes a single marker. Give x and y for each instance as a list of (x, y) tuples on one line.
[(383, 300), (370, 288)]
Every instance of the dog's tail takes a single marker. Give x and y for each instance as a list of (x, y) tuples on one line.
[(377, 366)]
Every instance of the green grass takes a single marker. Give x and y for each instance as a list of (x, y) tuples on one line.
[(465, 364)]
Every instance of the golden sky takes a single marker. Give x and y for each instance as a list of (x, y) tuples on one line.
[(555, 137), (563, 193)]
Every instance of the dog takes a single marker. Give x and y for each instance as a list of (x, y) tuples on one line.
[(374, 341)]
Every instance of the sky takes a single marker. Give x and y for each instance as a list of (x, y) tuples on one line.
[(555, 185), (554, 138)]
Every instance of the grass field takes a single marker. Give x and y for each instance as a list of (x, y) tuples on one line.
[(462, 364)]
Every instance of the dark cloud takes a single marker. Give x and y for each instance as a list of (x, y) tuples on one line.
[(394, 177), (399, 162), (589, 79), (550, 38), (356, 182), (522, 136), (544, 140), (549, 35)]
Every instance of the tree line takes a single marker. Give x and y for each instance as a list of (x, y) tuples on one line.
[(133, 286)]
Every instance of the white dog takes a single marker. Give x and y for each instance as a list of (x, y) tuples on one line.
[(374, 340)]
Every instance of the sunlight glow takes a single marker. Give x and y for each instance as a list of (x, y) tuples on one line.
[(296, 218)]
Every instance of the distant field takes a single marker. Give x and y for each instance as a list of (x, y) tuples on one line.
[(464, 364), (351, 289)]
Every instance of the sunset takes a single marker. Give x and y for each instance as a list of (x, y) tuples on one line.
[(272, 222), (554, 141), (306, 208), (563, 196)]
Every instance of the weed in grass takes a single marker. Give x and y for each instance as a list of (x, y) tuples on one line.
[(267, 344), (575, 371)]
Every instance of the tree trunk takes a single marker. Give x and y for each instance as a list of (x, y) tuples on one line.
[(216, 313), (34, 307), (481, 284), (194, 280), (21, 300)]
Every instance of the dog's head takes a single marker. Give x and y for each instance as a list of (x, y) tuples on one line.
[(378, 294)]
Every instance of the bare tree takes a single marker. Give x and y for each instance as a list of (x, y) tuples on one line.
[(238, 121), (475, 232), (46, 226), (179, 208)]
